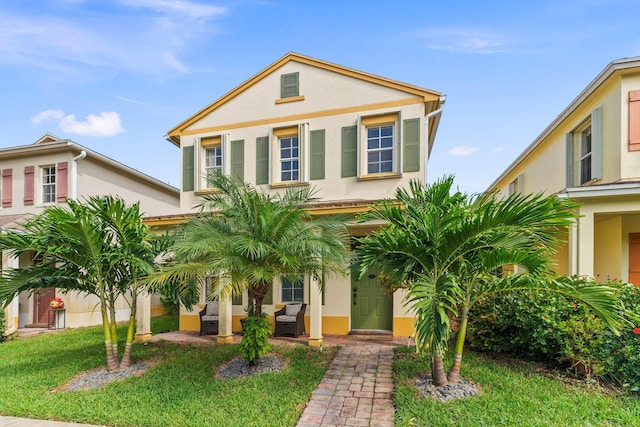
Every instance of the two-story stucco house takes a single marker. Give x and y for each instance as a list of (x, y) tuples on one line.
[(591, 154), (355, 137), (46, 173)]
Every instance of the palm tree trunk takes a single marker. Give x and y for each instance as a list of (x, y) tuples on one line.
[(131, 330), (259, 292), (112, 361), (114, 328), (438, 376), (454, 372)]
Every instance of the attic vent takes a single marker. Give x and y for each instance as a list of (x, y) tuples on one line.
[(289, 85)]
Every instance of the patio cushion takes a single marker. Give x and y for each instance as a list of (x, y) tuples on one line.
[(212, 309), (293, 309), (284, 318), (209, 318)]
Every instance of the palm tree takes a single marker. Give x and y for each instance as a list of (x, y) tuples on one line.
[(446, 250), (252, 238), (99, 248)]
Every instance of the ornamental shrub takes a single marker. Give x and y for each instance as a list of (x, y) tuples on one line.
[(254, 342), (538, 325)]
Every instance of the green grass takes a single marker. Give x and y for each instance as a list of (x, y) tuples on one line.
[(167, 323), (513, 394), (179, 390)]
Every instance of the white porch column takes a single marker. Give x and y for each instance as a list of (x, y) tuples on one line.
[(143, 317), (225, 315), (12, 311), (572, 245), (585, 243), (315, 313)]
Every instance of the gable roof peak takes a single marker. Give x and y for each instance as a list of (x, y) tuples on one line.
[(428, 95), (49, 138)]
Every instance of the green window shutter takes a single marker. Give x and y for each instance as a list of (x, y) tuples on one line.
[(236, 299), (569, 139), (411, 145), (317, 154), (289, 85), (349, 151), (268, 298), (237, 159), (596, 143), (188, 172), (262, 160)]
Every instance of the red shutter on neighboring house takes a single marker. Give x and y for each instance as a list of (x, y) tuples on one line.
[(7, 191), (634, 120), (62, 181), (28, 185)]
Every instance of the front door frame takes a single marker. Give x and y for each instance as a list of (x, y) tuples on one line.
[(378, 304)]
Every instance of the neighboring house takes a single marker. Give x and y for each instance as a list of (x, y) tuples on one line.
[(353, 136), (46, 173), (591, 154)]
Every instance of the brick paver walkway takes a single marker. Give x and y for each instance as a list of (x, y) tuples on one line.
[(356, 389)]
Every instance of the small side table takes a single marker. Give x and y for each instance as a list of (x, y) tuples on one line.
[(53, 318)]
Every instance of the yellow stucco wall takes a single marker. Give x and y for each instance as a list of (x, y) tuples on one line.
[(403, 326)]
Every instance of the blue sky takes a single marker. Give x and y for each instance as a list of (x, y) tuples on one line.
[(116, 75)]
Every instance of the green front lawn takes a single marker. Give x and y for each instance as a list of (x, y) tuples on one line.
[(179, 390), (513, 394)]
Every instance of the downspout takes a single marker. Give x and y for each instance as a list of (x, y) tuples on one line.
[(74, 174), (427, 118)]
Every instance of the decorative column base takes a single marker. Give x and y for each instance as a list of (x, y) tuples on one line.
[(315, 342), (224, 339), (143, 337)]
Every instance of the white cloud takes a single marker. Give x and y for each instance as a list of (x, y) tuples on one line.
[(131, 101), (461, 151), (159, 36), (186, 8), (47, 115), (172, 62), (106, 123), (498, 150), (463, 40)]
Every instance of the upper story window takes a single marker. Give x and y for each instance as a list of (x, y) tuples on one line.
[(585, 156), (517, 185), (292, 290), (381, 146), (212, 161), (289, 159), (48, 180), (584, 151), (380, 149), (378, 146), (211, 157)]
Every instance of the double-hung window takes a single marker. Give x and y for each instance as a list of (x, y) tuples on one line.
[(380, 149), (48, 180), (212, 161), (289, 159), (585, 155), (292, 290), (584, 151), (371, 149)]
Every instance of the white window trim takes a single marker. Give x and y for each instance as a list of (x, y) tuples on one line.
[(42, 184), (582, 156), (200, 159), (393, 118), (275, 172)]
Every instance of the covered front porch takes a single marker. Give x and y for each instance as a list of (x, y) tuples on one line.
[(605, 242)]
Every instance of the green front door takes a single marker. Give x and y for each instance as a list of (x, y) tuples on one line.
[(370, 307)]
